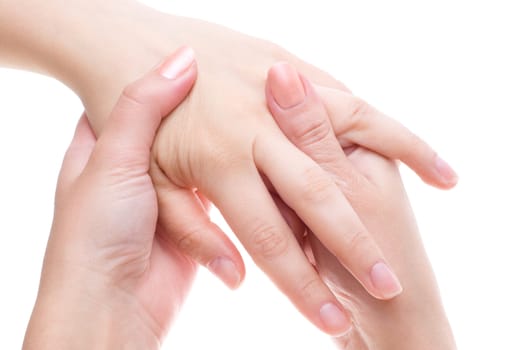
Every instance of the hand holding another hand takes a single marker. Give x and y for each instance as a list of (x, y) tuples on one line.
[(224, 143), (110, 278), (108, 261)]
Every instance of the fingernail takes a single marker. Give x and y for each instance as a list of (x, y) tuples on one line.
[(177, 63), (334, 319), (445, 171), (385, 281), (286, 86), (226, 270)]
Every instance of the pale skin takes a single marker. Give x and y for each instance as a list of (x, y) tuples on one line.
[(413, 320), (100, 270), (180, 165), (101, 267)]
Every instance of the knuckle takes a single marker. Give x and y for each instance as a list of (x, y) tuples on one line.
[(359, 111), (312, 132), (317, 185), (190, 242), (268, 242), (134, 94), (137, 97)]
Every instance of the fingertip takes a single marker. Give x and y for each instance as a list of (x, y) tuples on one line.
[(335, 321), (227, 271), (437, 173), (177, 63), (285, 85), (384, 281), (448, 177)]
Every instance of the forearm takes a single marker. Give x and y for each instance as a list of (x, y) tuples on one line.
[(46, 35), (82, 43)]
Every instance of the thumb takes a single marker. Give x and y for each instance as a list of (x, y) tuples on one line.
[(132, 125)]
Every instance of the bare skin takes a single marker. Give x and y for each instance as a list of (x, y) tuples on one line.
[(223, 131)]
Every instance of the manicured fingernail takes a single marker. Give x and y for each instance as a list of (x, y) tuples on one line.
[(445, 171), (226, 270), (286, 86), (177, 63), (334, 319), (385, 281)]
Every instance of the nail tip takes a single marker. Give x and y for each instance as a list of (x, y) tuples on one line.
[(286, 86), (334, 320), (226, 271), (394, 294), (385, 281), (447, 175), (178, 63)]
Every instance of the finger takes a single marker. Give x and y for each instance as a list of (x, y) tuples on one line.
[(317, 200), (78, 153), (249, 210), (297, 227), (310, 191), (299, 112), (131, 127), (186, 223), (181, 270), (293, 221), (356, 122), (306, 124)]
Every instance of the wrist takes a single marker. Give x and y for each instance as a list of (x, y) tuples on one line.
[(431, 333), (112, 44), (94, 47), (88, 314), (411, 321)]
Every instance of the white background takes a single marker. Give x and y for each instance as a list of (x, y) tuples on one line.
[(453, 71)]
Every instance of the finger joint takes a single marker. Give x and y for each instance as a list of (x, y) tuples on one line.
[(268, 242)]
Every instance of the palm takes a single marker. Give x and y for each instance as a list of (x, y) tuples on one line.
[(165, 285)]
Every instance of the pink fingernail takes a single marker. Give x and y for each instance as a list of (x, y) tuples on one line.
[(286, 86), (385, 281), (226, 270), (334, 319), (178, 63), (445, 171)]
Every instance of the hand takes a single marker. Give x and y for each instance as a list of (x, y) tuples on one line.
[(110, 278), (222, 146), (199, 148), (371, 183)]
